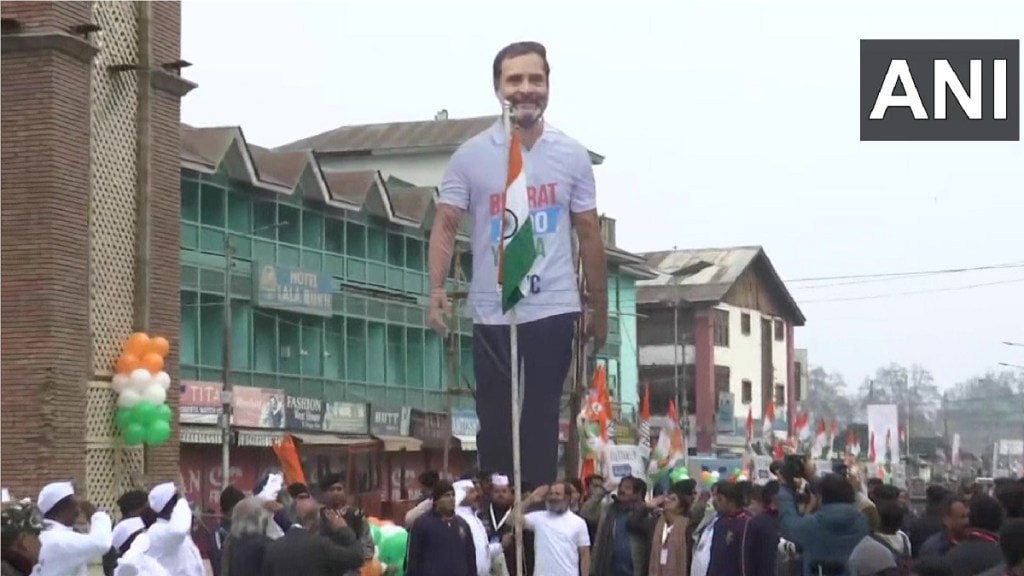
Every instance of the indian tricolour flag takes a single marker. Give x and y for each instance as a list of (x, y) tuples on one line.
[(519, 252)]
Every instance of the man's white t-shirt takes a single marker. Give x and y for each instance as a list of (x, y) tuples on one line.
[(557, 539)]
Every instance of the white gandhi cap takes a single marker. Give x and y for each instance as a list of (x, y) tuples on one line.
[(161, 495), (127, 528), (53, 493)]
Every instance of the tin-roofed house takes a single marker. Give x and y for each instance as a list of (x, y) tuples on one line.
[(716, 334)]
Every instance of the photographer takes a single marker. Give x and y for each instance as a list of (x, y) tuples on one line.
[(833, 525)]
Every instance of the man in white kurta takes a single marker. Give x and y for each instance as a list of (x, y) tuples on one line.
[(63, 551), (132, 543), (170, 538), (465, 500)]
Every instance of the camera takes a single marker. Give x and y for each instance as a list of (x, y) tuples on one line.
[(793, 466), (839, 467)]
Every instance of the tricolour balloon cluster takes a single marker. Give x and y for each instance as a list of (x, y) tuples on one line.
[(391, 541), (143, 415)]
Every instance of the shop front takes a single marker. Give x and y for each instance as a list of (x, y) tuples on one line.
[(433, 429), (401, 459), (344, 446)]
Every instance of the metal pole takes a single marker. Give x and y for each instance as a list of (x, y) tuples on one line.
[(675, 352), (448, 397), (143, 161), (227, 390)]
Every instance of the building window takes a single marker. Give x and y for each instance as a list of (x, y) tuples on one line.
[(780, 395), (747, 392), (745, 323), (780, 331), (722, 328)]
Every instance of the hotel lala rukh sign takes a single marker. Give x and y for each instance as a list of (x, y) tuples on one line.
[(293, 290)]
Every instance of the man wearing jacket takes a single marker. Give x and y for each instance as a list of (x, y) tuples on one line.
[(761, 541), (829, 534), (616, 551)]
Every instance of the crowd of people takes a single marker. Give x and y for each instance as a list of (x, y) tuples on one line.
[(276, 531), (799, 523)]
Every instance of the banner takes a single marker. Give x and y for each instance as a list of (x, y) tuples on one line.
[(303, 413), (389, 422), (346, 418), (620, 461), (292, 290), (883, 429), (199, 403), (258, 407)]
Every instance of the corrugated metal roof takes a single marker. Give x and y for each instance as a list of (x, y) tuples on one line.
[(395, 135), (446, 134), (705, 276)]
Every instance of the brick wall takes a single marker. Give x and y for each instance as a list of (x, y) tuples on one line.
[(45, 219), (44, 254), (165, 279)]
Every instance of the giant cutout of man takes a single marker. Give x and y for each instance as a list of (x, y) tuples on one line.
[(562, 198)]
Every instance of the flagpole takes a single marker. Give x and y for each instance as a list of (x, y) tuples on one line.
[(516, 385)]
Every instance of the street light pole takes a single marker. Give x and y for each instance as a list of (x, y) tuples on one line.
[(227, 390)]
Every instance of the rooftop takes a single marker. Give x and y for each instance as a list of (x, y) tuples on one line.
[(705, 276), (442, 135)]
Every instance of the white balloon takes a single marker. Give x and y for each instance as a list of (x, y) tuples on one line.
[(154, 394), (164, 379), (129, 398), (119, 382), (141, 377)]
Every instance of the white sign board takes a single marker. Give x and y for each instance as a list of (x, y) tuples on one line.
[(623, 460)]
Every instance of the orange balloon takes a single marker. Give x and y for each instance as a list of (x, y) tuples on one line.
[(159, 346), (153, 362), (137, 344), (126, 363)]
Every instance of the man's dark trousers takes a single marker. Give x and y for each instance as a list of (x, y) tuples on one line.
[(545, 352)]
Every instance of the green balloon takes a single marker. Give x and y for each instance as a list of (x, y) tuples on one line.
[(163, 413), (123, 418), (678, 474), (375, 532), (158, 433), (134, 434), (146, 414), (392, 548)]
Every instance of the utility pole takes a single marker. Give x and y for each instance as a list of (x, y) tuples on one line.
[(227, 391), (906, 429), (452, 341)]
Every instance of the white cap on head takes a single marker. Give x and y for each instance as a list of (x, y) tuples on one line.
[(161, 495), (125, 529), (53, 493), (462, 487), (499, 480)]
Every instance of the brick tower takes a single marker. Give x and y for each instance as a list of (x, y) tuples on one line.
[(90, 200)]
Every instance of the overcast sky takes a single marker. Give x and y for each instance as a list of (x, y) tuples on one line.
[(724, 123)]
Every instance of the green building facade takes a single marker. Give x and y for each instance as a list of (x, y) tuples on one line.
[(375, 347)]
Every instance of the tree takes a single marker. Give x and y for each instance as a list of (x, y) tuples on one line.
[(912, 390), (985, 409), (828, 397)]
